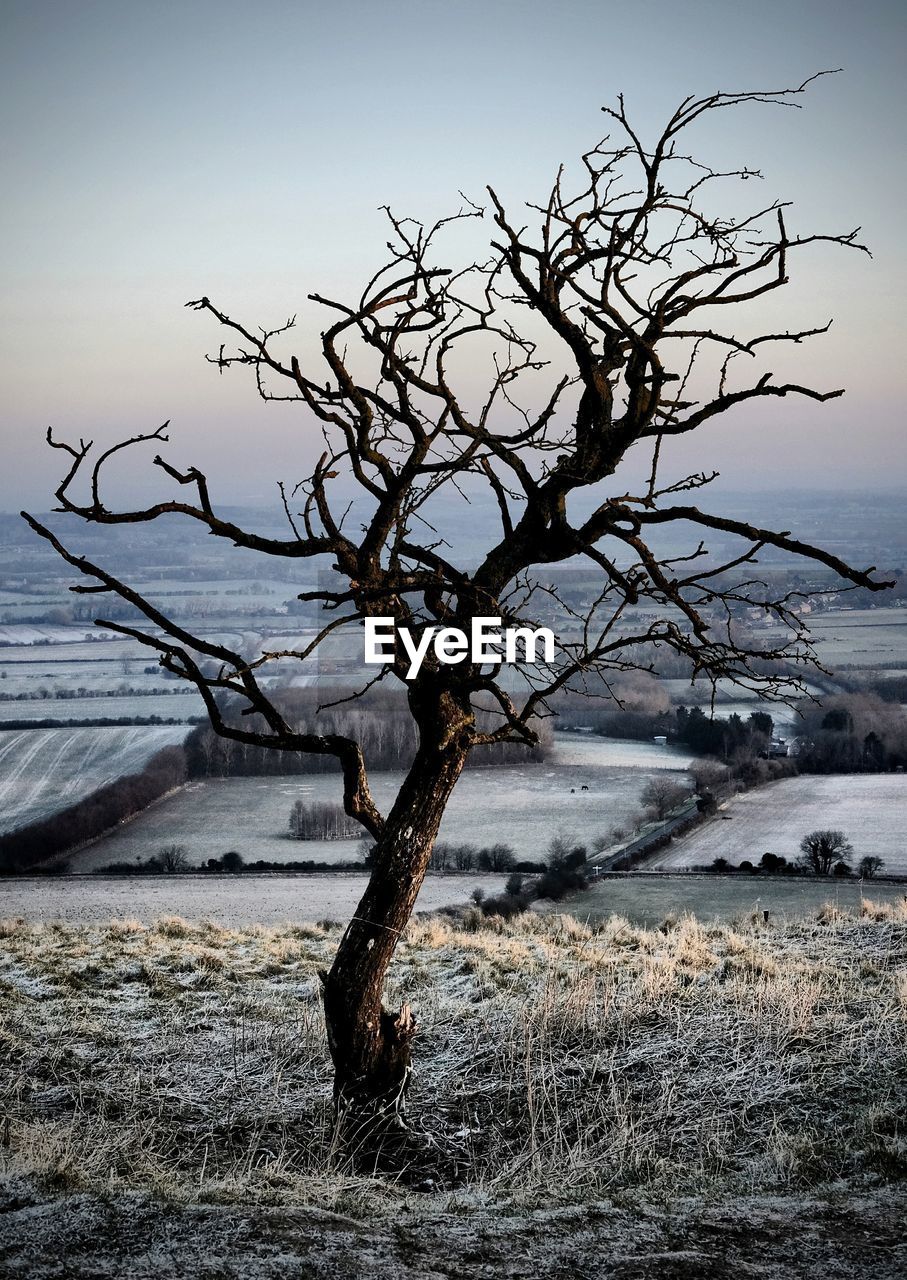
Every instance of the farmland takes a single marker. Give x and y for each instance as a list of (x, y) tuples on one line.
[(241, 901), (860, 638), (233, 901), (871, 809), (649, 899), (74, 673), (174, 704), (45, 770), (521, 806)]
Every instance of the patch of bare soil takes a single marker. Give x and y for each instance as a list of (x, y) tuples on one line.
[(74, 1236)]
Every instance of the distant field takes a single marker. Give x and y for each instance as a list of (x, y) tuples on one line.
[(871, 809), (37, 678), (74, 650), (169, 706), (520, 806), (268, 899), (860, 637), (15, 634), (233, 901), (45, 770), (647, 900)]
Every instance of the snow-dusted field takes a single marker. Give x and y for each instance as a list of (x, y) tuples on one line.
[(587, 750), (233, 901), (176, 705), (79, 645), (860, 637), (871, 810), (521, 806), (45, 770), (18, 633), (649, 899)]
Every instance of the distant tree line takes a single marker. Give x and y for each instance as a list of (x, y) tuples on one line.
[(98, 722), (634, 705), (379, 720), (890, 688), (852, 733), (97, 813), (722, 737), (173, 860), (321, 820), (451, 856), (43, 694), (822, 853)]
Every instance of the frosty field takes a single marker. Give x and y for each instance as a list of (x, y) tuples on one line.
[(174, 705), (696, 1102), (649, 899), (45, 770), (871, 810), (269, 898), (233, 901), (520, 806), (860, 637)]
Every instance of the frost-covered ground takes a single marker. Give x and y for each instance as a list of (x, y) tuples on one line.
[(173, 704), (522, 806), (233, 901), (44, 770), (272, 899), (860, 637), (871, 810), (647, 899), (687, 1103), (25, 634)]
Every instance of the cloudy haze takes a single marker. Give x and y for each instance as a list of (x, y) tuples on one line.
[(156, 152)]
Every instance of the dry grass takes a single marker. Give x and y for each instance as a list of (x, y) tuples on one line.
[(556, 1061)]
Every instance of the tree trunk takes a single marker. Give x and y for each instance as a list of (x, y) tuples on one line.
[(370, 1047)]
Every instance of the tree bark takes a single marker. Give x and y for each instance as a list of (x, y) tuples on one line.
[(371, 1047)]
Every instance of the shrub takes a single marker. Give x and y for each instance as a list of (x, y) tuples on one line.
[(505, 905), (773, 862), (514, 885), (565, 873)]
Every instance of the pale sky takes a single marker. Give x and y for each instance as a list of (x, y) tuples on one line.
[(153, 152)]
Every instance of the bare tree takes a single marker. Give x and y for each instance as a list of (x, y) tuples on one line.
[(172, 858), (821, 850), (602, 326), (660, 795), (870, 866)]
